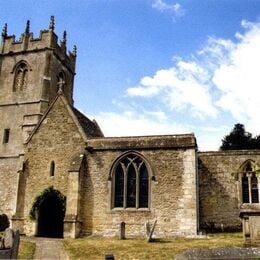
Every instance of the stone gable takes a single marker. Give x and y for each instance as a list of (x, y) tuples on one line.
[(56, 139)]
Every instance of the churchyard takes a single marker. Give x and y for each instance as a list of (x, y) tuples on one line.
[(97, 248)]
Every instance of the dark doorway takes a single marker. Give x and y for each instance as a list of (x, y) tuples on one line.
[(51, 212)]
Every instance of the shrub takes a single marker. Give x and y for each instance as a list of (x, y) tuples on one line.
[(4, 222)]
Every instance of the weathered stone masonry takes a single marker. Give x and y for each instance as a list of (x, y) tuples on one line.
[(220, 188), (52, 144)]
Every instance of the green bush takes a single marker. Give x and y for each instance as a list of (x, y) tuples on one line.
[(4, 222)]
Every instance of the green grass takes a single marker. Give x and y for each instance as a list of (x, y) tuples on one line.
[(96, 248), (26, 250)]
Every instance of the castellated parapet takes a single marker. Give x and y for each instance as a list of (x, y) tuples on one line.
[(47, 40)]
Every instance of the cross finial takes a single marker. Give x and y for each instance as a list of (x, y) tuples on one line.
[(52, 23), (74, 52), (4, 31), (27, 28), (64, 39)]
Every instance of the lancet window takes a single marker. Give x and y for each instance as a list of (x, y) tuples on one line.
[(52, 168), (131, 183), (250, 189)]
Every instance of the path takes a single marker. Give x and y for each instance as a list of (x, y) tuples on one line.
[(49, 248)]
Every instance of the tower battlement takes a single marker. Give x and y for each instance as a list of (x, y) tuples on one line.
[(47, 40)]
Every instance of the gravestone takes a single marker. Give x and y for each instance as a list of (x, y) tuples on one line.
[(11, 242), (122, 230), (8, 238), (149, 238)]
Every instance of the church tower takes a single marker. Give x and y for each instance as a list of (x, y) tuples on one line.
[(32, 70)]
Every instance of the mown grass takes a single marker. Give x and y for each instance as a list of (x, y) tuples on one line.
[(26, 250), (96, 248)]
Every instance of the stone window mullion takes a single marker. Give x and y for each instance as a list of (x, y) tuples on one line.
[(125, 187), (249, 187), (137, 186)]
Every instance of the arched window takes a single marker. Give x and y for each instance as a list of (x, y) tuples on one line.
[(21, 77), (249, 180), (61, 81), (130, 182), (52, 168)]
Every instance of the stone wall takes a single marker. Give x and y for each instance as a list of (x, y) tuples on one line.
[(8, 185), (57, 139), (173, 187), (21, 110), (219, 188)]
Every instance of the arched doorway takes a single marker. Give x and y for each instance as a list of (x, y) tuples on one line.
[(49, 211)]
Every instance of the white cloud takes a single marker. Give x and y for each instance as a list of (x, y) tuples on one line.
[(219, 82), (182, 87), (133, 123), (224, 76), (238, 78), (162, 6)]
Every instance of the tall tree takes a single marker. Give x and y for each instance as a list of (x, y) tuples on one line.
[(239, 139)]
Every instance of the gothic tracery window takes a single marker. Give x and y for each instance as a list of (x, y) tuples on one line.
[(21, 77), (250, 193), (131, 183)]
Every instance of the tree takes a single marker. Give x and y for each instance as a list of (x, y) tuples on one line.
[(239, 139)]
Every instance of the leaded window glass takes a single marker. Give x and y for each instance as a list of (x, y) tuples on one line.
[(254, 189), (245, 190), (119, 186)]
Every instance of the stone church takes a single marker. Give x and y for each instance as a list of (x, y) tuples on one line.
[(60, 177)]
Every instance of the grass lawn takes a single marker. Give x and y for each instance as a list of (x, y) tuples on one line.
[(96, 248), (26, 250)]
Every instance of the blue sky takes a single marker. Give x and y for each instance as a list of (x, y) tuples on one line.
[(158, 66)]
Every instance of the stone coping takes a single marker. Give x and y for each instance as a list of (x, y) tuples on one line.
[(142, 142), (229, 152)]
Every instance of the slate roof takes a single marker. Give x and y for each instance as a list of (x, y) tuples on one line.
[(91, 128)]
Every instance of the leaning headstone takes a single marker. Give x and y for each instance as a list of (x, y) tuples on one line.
[(149, 239), (109, 257), (8, 238), (122, 230)]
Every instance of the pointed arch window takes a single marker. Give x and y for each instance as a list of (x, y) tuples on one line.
[(130, 183), (249, 180), (21, 77)]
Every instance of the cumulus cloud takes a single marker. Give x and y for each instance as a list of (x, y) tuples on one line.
[(182, 87), (224, 76), (162, 6), (218, 84)]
